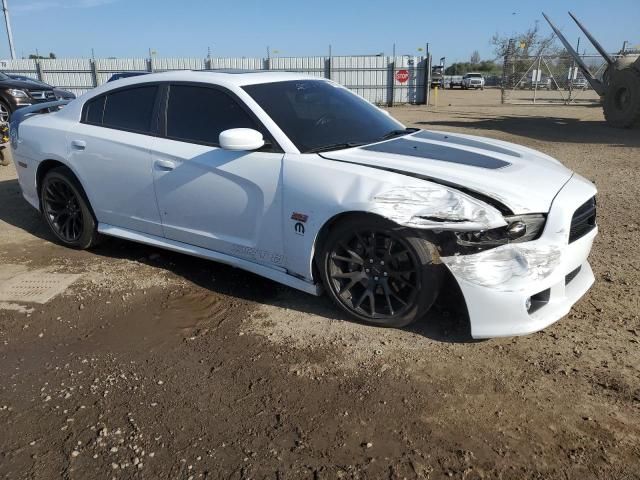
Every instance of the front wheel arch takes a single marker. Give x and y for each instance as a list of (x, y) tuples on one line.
[(324, 231), (7, 106), (323, 234), (420, 253)]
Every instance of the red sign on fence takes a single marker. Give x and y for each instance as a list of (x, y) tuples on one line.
[(402, 76)]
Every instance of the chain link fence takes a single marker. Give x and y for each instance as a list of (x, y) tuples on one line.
[(549, 79)]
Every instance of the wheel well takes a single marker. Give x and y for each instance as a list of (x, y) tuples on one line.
[(47, 165), (345, 216), (324, 233), (43, 168)]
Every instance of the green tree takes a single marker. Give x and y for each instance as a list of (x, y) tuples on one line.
[(35, 56), (485, 66), (531, 42)]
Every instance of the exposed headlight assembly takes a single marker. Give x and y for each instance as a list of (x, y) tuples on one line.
[(519, 228), (17, 93)]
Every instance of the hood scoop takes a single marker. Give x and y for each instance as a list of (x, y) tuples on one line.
[(454, 140), (437, 151)]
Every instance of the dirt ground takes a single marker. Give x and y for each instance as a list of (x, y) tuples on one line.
[(157, 365)]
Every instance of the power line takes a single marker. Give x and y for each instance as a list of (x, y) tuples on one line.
[(5, 9)]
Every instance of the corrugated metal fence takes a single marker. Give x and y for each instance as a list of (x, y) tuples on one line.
[(383, 80)]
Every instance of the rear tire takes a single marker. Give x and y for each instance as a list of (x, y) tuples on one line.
[(378, 272), (66, 209), (621, 102)]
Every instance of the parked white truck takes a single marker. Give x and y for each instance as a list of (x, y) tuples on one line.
[(473, 80)]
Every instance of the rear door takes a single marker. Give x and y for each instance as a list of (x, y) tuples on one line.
[(227, 201), (110, 152)]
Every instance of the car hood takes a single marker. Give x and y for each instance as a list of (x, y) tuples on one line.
[(64, 94), (23, 85), (522, 179)]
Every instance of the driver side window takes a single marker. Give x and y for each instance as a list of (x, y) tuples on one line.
[(198, 114)]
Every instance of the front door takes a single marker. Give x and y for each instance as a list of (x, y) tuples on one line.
[(221, 200)]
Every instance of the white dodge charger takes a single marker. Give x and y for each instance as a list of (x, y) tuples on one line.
[(300, 180)]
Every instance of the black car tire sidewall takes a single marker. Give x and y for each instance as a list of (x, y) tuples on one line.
[(428, 265), (89, 232)]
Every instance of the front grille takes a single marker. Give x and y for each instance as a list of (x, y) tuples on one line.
[(583, 220), (42, 94), (571, 275)]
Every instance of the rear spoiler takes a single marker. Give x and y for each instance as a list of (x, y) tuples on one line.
[(25, 112)]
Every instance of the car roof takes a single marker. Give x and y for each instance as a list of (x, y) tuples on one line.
[(228, 77), (225, 78)]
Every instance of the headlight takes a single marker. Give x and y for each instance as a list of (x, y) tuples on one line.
[(519, 228), (14, 92)]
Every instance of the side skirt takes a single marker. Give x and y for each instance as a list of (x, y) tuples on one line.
[(263, 271)]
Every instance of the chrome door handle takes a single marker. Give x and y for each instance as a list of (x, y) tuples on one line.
[(79, 144), (165, 165)]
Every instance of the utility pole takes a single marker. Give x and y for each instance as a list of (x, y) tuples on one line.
[(5, 9)]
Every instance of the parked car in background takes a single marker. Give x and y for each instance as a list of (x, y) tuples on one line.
[(61, 94), (455, 81), (437, 76), (15, 94), (543, 83), (121, 75), (473, 80), (302, 181), (579, 83)]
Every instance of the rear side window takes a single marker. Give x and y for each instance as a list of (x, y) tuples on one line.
[(199, 114), (94, 111), (130, 109)]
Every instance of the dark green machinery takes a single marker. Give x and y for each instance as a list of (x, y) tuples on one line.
[(619, 88)]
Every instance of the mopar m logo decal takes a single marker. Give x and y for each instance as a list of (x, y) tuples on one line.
[(299, 228)]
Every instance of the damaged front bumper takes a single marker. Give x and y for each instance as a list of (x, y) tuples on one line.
[(516, 289)]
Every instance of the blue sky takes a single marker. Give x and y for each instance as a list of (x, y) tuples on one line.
[(128, 28)]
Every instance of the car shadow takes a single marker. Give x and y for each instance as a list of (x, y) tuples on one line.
[(544, 128), (443, 323)]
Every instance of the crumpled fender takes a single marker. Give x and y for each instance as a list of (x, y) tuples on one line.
[(436, 207)]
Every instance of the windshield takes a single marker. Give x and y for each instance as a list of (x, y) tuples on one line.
[(317, 114), (474, 75)]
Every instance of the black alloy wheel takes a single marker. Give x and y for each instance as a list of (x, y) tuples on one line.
[(66, 209), (5, 112), (380, 273)]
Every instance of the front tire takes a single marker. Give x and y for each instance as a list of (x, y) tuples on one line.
[(5, 112), (379, 272), (66, 209)]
